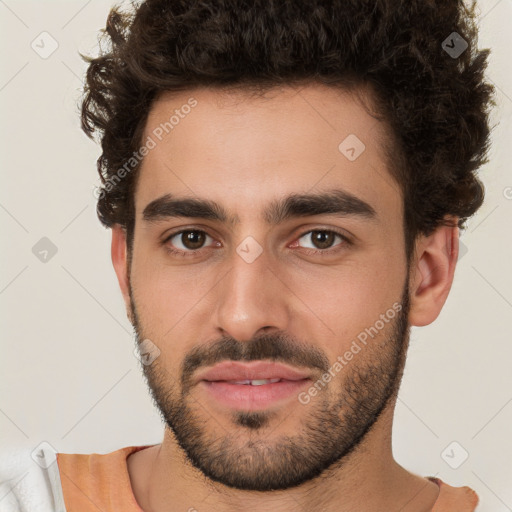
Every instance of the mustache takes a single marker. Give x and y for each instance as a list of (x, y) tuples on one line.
[(274, 347)]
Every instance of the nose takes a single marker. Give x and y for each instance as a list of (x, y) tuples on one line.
[(252, 300)]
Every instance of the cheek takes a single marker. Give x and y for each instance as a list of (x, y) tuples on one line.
[(346, 300), (166, 295)]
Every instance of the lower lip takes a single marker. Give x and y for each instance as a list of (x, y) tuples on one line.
[(253, 398)]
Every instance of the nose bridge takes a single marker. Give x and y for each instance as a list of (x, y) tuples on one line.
[(250, 295)]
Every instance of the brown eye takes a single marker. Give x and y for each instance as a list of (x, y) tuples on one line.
[(321, 239), (193, 239), (188, 240)]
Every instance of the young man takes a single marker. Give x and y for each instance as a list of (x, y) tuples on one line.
[(285, 183)]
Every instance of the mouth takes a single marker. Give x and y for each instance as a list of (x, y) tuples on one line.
[(255, 372), (254, 382), (253, 395), (252, 386)]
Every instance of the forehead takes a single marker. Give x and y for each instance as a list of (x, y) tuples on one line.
[(242, 150)]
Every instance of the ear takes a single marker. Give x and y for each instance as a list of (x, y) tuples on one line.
[(432, 273), (119, 260)]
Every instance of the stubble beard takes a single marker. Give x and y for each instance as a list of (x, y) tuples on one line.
[(249, 454)]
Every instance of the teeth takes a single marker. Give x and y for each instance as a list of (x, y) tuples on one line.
[(256, 382)]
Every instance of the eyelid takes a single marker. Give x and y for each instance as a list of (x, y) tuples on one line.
[(168, 237), (201, 229), (330, 251), (332, 229)]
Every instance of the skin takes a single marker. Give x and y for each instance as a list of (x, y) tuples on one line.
[(242, 153)]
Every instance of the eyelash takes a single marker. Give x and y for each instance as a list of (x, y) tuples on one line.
[(192, 253)]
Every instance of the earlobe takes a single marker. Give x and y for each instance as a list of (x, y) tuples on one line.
[(119, 260), (432, 275)]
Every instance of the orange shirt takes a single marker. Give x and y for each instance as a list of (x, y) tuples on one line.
[(101, 482)]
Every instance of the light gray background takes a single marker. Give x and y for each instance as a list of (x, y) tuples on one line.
[(69, 376)]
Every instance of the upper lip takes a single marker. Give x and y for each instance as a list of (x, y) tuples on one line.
[(256, 370)]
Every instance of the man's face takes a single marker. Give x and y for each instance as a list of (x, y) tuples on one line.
[(269, 287)]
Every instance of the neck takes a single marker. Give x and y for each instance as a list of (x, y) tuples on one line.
[(162, 475)]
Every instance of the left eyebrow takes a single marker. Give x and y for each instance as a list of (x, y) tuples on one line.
[(338, 202)]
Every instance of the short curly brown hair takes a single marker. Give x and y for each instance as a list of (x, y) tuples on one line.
[(436, 103)]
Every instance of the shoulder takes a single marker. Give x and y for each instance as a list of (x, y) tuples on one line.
[(43, 480), (29, 480), (95, 464), (93, 480), (454, 499)]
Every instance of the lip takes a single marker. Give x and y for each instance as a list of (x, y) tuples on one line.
[(252, 398), (255, 370), (215, 382)]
